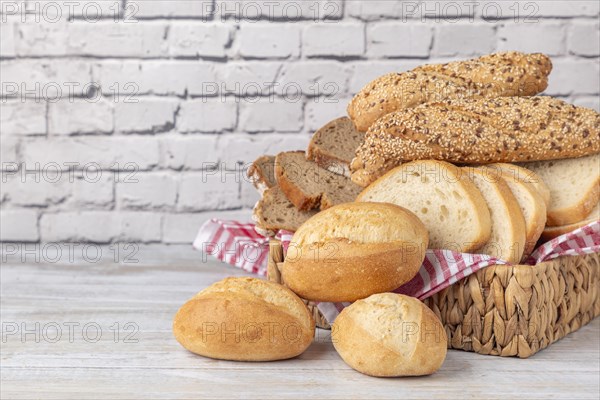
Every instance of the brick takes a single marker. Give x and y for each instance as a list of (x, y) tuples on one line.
[(117, 39), (592, 102), (267, 115), (95, 189), (115, 153), (207, 115), (286, 10), (101, 226), (146, 115), (363, 72), (269, 40), (249, 195), (23, 117), (541, 37), (19, 226), (80, 117), (382, 40), (313, 78), (319, 113), (209, 190), (189, 152), (247, 78), (198, 39), (333, 40), (583, 39), (374, 9), (148, 77), (574, 76), (182, 228), (42, 38), (39, 187), (93, 11), (173, 9), (561, 9), (148, 191), (464, 40), (9, 151), (7, 45)]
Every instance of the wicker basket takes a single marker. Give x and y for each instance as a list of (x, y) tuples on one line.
[(507, 310)]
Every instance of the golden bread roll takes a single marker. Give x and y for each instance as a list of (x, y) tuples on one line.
[(353, 250), (390, 334), (245, 319)]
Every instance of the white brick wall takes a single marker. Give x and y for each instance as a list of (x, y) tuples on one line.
[(111, 122)]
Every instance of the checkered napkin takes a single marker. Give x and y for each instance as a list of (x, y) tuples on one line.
[(240, 245)]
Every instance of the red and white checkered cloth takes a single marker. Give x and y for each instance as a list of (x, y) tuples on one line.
[(240, 245)]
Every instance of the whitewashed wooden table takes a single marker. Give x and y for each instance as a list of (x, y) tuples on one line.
[(115, 342)]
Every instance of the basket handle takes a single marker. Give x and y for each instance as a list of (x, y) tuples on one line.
[(275, 258)]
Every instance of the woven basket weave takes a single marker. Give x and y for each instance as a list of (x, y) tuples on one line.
[(506, 310)]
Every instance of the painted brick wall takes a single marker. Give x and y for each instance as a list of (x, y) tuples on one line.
[(132, 120)]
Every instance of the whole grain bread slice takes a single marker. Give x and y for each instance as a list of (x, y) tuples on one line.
[(262, 173), (309, 186), (550, 232), (443, 197), (274, 212), (507, 241), (334, 145), (574, 187)]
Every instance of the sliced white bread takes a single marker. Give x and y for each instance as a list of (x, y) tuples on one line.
[(333, 146), (532, 206), (527, 176), (554, 231), (574, 187), (449, 204), (309, 186), (507, 241), (262, 173), (274, 212)]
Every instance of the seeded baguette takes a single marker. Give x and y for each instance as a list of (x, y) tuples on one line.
[(494, 75), (506, 129)]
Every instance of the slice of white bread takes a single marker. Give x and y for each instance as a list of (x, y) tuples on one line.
[(309, 186), (262, 173), (532, 206), (334, 145), (574, 187), (449, 204), (527, 176), (507, 241), (274, 212), (554, 231)]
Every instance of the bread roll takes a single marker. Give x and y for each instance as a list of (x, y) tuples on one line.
[(505, 129), (390, 334), (244, 319), (353, 250), (501, 74)]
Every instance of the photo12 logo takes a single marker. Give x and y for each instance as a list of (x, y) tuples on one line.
[(71, 332), (67, 11)]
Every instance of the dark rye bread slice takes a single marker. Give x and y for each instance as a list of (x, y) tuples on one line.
[(274, 212), (333, 146), (309, 186), (262, 173)]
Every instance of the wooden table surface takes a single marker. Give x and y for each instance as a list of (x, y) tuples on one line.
[(77, 329)]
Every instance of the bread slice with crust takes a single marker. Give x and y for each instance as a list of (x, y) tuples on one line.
[(274, 212), (531, 203), (526, 176), (333, 146), (262, 173), (309, 186), (507, 241), (550, 232), (449, 204), (574, 187)]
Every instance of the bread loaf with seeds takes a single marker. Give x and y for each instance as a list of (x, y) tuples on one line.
[(478, 131), (495, 75)]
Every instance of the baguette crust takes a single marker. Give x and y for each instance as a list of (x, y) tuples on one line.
[(506, 129), (494, 75)]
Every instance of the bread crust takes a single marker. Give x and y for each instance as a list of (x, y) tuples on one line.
[(570, 215), (257, 175), (268, 226), (244, 319), (494, 75), (507, 129), (550, 232), (527, 176), (389, 347)]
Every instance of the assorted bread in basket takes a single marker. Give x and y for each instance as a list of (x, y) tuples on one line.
[(462, 156)]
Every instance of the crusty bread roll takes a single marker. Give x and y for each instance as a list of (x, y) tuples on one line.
[(505, 129), (495, 75), (245, 319), (390, 334), (353, 250)]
